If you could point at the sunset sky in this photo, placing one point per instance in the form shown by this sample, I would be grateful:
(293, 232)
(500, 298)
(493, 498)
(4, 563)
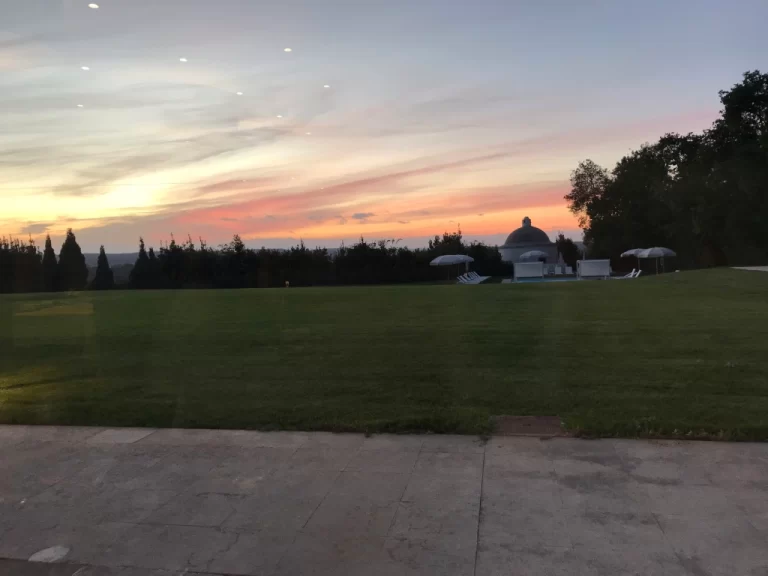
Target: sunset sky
(387, 119)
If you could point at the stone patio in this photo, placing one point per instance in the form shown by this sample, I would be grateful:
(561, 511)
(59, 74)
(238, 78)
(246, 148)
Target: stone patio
(133, 502)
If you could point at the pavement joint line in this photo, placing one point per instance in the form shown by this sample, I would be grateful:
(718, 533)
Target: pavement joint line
(405, 489)
(479, 511)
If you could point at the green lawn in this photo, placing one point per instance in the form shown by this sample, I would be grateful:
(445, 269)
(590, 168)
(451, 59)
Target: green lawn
(675, 354)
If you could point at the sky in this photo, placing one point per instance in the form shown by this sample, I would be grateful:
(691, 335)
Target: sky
(325, 121)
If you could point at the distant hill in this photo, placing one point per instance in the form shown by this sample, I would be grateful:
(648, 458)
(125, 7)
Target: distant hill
(114, 259)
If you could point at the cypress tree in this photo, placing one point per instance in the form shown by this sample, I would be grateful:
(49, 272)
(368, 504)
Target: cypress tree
(49, 266)
(104, 279)
(72, 270)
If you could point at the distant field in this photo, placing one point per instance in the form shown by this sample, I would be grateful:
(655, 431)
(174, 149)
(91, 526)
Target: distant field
(675, 354)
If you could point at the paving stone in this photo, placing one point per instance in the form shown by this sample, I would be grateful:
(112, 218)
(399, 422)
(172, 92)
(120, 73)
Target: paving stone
(384, 460)
(120, 435)
(252, 554)
(430, 556)
(16, 433)
(163, 547)
(87, 504)
(283, 502)
(334, 554)
(360, 503)
(241, 438)
(393, 442)
(495, 559)
(245, 503)
(722, 547)
(453, 443)
(206, 509)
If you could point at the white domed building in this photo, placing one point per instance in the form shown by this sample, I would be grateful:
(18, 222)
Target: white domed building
(525, 239)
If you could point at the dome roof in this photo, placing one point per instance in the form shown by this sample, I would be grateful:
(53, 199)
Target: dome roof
(527, 234)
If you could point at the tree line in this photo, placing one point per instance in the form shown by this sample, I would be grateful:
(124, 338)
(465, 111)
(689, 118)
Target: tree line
(24, 268)
(703, 195)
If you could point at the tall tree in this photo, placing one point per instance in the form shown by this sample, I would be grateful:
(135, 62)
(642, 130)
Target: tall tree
(568, 250)
(141, 275)
(72, 270)
(703, 195)
(49, 266)
(104, 279)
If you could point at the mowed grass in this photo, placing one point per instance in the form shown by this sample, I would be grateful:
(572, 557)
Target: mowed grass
(683, 353)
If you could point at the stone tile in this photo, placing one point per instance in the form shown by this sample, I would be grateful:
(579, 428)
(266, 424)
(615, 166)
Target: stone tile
(501, 559)
(453, 443)
(351, 442)
(282, 502)
(384, 460)
(206, 509)
(120, 435)
(430, 556)
(24, 568)
(86, 504)
(31, 534)
(241, 438)
(393, 442)
(361, 503)
(703, 502)
(325, 453)
(719, 547)
(524, 527)
(242, 471)
(467, 465)
(442, 519)
(12, 434)
(164, 547)
(597, 529)
(252, 554)
(663, 462)
(118, 571)
(504, 560)
(34, 467)
(518, 445)
(603, 490)
(344, 554)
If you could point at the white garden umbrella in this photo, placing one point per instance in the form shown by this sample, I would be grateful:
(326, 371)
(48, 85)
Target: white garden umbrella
(532, 255)
(656, 253)
(634, 252)
(450, 259)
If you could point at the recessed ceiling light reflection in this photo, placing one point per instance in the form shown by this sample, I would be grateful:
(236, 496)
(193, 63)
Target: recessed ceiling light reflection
(79, 105)
(239, 93)
(86, 68)
(279, 115)
(309, 133)
(93, 6)
(287, 49)
(326, 86)
(182, 59)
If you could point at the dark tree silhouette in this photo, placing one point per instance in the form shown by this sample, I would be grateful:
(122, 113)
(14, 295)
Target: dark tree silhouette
(104, 279)
(49, 266)
(568, 250)
(72, 270)
(703, 195)
(141, 275)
